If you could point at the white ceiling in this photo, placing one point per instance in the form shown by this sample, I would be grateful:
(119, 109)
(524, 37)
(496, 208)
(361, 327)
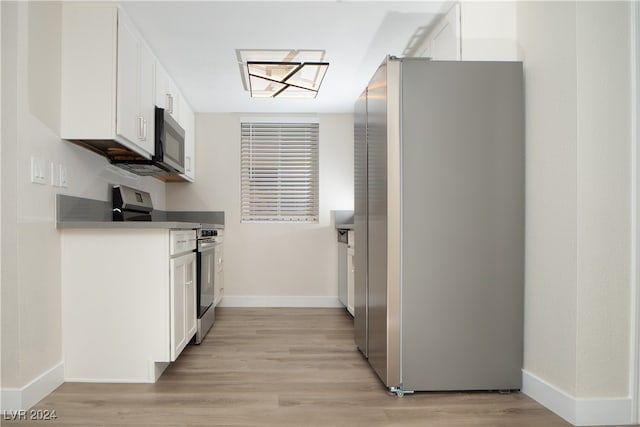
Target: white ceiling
(197, 43)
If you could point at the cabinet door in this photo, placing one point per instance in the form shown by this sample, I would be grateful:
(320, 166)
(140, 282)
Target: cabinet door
(180, 269)
(146, 106)
(190, 298)
(128, 119)
(187, 121)
(88, 91)
(166, 93)
(135, 90)
(342, 273)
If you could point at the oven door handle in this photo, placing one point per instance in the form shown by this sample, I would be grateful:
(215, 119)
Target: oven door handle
(206, 245)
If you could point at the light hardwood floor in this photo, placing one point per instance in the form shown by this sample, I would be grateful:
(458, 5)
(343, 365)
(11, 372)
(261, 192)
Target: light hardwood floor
(284, 367)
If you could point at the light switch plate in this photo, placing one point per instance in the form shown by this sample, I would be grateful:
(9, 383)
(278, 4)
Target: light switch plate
(38, 171)
(55, 175)
(63, 177)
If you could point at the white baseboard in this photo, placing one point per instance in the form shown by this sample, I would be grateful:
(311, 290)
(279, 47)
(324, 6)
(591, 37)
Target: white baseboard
(16, 399)
(280, 301)
(579, 412)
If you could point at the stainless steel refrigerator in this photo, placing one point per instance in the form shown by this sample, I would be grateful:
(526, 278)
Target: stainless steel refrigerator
(439, 221)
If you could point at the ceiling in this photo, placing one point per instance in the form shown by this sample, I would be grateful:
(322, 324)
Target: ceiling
(198, 43)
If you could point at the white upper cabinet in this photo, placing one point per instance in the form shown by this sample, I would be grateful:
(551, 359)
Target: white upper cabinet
(135, 89)
(107, 78)
(111, 83)
(443, 42)
(167, 95)
(187, 121)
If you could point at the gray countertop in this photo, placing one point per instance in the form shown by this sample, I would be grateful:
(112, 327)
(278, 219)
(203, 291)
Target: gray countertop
(136, 224)
(344, 226)
(77, 212)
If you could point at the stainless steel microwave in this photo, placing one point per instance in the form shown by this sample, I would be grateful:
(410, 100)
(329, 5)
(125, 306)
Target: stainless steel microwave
(169, 142)
(168, 157)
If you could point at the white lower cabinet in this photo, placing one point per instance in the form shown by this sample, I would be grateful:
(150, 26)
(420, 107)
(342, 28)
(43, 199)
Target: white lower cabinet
(128, 302)
(183, 302)
(346, 269)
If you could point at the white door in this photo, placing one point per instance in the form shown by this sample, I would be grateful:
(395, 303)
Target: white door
(146, 106)
(181, 271)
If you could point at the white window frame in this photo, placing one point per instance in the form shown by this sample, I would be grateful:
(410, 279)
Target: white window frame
(294, 171)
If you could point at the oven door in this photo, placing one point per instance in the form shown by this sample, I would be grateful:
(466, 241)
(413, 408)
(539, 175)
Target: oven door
(206, 275)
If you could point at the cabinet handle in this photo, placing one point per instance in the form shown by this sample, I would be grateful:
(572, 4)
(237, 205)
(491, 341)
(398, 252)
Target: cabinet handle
(140, 127)
(170, 103)
(144, 128)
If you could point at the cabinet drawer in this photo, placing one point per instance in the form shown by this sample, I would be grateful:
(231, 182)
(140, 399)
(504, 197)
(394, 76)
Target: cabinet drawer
(182, 241)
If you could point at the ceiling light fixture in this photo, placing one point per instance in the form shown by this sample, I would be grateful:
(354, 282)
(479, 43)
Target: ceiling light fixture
(281, 79)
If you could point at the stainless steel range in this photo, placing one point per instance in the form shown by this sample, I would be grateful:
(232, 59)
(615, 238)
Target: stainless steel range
(130, 204)
(210, 281)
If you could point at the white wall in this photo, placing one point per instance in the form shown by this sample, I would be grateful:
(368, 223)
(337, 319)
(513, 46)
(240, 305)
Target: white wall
(271, 264)
(488, 30)
(604, 197)
(31, 312)
(551, 190)
(578, 197)
(579, 149)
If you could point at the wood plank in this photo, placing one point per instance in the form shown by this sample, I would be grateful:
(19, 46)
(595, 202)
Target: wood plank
(284, 367)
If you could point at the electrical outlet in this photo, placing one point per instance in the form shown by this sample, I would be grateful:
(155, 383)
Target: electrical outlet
(38, 171)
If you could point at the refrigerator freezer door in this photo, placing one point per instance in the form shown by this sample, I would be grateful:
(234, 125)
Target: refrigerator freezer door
(383, 142)
(377, 221)
(360, 223)
(463, 225)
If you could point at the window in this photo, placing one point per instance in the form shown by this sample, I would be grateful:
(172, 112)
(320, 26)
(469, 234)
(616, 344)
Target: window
(279, 171)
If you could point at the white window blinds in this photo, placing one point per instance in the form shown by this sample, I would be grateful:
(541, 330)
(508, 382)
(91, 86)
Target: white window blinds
(279, 172)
